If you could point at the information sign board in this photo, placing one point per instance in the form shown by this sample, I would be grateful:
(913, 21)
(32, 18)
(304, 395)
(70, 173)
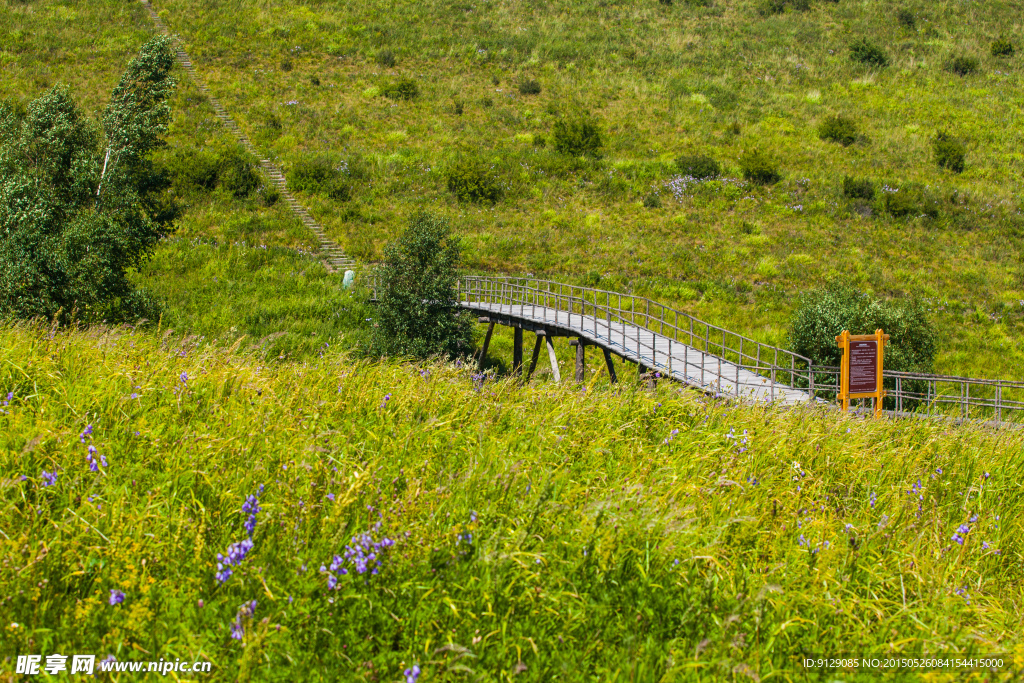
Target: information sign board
(863, 367)
(861, 372)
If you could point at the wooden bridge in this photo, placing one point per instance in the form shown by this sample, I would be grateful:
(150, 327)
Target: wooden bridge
(660, 341)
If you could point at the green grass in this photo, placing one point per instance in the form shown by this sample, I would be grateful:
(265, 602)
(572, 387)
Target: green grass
(615, 534)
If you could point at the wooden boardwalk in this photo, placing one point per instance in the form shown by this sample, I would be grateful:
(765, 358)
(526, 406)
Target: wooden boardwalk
(649, 350)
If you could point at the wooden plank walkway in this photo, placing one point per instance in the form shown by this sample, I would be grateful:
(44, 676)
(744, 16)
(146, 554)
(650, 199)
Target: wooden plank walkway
(331, 253)
(653, 351)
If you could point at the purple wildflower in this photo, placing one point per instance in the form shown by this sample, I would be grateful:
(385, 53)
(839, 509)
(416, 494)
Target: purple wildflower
(85, 433)
(235, 554)
(412, 673)
(330, 497)
(183, 377)
(245, 614)
(252, 508)
(116, 596)
(49, 478)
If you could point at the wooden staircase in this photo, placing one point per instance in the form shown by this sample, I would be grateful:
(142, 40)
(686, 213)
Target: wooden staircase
(332, 254)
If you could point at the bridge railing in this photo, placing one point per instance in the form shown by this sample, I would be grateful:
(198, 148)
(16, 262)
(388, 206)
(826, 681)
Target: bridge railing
(605, 315)
(947, 396)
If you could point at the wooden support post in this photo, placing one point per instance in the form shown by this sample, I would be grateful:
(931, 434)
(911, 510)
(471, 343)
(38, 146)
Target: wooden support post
(580, 358)
(536, 353)
(553, 358)
(517, 351)
(483, 349)
(611, 366)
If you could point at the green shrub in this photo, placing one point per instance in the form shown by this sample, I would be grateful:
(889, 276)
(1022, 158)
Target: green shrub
(318, 176)
(858, 189)
(402, 89)
(759, 168)
(906, 18)
(908, 201)
(1002, 47)
(238, 174)
(314, 80)
(486, 102)
(194, 170)
(865, 52)
(539, 140)
(652, 201)
(577, 135)
(839, 129)
(766, 8)
(733, 128)
(472, 181)
(949, 152)
(824, 313)
(962, 65)
(270, 195)
(416, 294)
(699, 166)
(386, 58)
(286, 65)
(459, 107)
(529, 87)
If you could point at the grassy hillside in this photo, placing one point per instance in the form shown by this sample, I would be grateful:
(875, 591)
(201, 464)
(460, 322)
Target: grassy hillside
(539, 533)
(662, 80)
(717, 78)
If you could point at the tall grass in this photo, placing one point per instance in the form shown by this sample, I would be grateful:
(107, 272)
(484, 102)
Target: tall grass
(540, 532)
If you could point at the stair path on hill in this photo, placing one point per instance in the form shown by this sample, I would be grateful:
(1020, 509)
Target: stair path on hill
(333, 255)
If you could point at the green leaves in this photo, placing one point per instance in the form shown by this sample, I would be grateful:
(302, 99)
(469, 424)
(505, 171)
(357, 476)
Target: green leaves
(68, 231)
(416, 286)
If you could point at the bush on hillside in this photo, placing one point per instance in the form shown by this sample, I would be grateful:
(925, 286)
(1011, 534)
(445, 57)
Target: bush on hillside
(194, 170)
(766, 8)
(759, 168)
(1002, 47)
(839, 129)
(824, 313)
(962, 65)
(402, 89)
(652, 201)
(949, 152)
(865, 52)
(318, 176)
(858, 189)
(699, 166)
(238, 174)
(386, 58)
(472, 181)
(908, 201)
(906, 18)
(416, 294)
(529, 87)
(576, 135)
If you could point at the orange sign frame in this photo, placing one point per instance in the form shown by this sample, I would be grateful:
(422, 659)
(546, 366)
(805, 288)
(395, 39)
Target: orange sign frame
(843, 340)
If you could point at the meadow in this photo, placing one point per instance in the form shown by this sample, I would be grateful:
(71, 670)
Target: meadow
(536, 532)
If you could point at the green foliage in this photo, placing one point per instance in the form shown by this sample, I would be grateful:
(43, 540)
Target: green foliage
(319, 176)
(473, 181)
(824, 313)
(652, 201)
(863, 51)
(194, 170)
(906, 18)
(907, 201)
(699, 166)
(767, 8)
(577, 134)
(838, 128)
(858, 189)
(286, 65)
(386, 58)
(529, 87)
(70, 232)
(949, 152)
(962, 65)
(1002, 47)
(759, 168)
(238, 172)
(402, 89)
(416, 294)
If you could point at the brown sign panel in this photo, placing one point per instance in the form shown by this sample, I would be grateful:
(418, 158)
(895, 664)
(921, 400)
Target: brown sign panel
(863, 367)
